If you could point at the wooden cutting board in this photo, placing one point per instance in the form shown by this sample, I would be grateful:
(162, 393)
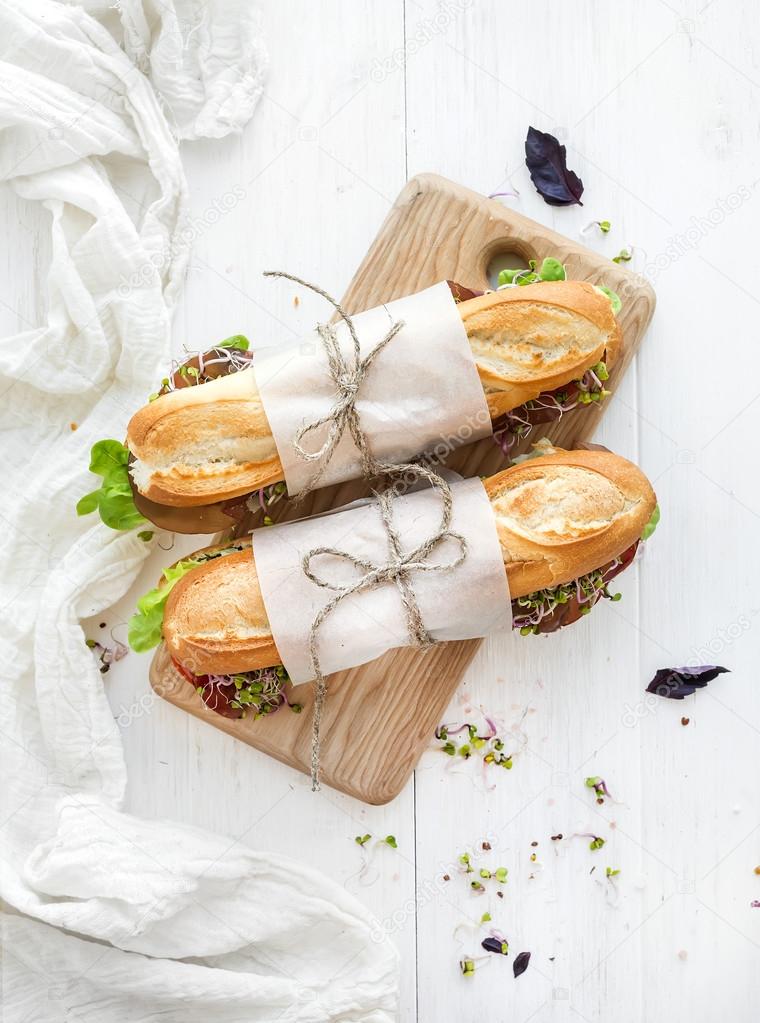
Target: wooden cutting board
(379, 718)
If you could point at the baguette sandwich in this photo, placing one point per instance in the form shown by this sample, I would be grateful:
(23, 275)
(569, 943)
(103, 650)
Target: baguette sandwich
(547, 346)
(568, 522)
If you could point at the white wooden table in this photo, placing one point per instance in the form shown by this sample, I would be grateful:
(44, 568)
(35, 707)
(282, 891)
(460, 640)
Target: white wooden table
(658, 103)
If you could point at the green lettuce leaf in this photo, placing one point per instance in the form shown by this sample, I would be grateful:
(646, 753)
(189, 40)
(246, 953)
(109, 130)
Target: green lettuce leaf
(650, 527)
(144, 630)
(145, 627)
(113, 499)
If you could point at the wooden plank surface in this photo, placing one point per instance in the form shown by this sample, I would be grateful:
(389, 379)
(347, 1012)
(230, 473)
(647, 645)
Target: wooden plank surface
(656, 103)
(379, 717)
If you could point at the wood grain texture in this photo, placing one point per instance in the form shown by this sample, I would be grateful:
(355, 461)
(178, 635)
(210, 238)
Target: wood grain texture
(379, 717)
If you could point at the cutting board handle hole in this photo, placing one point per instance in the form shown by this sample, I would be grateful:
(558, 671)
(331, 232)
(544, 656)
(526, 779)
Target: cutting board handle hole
(502, 254)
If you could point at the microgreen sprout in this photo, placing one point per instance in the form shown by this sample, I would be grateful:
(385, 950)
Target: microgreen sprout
(624, 256)
(486, 918)
(550, 270)
(260, 500)
(610, 872)
(107, 655)
(228, 356)
(477, 887)
(259, 692)
(513, 194)
(499, 874)
(467, 966)
(595, 843)
(391, 841)
(549, 609)
(362, 839)
(603, 225)
(599, 785)
(487, 745)
(550, 406)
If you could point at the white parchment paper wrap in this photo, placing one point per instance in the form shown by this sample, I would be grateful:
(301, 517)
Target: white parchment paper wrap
(422, 390)
(466, 602)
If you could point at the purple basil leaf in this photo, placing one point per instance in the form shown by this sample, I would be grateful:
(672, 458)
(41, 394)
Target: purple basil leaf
(520, 965)
(495, 945)
(546, 160)
(676, 683)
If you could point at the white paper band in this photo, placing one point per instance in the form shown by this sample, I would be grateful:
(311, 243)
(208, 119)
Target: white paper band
(467, 602)
(422, 390)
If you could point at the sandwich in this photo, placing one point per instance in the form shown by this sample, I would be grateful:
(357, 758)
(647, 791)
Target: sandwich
(201, 450)
(568, 523)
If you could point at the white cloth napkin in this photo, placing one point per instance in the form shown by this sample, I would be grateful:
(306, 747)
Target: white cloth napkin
(85, 133)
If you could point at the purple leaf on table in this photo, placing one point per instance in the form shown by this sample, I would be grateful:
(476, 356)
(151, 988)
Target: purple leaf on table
(520, 965)
(676, 683)
(546, 160)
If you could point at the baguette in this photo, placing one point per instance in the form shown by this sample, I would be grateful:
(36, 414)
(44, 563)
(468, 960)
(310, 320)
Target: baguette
(198, 445)
(558, 517)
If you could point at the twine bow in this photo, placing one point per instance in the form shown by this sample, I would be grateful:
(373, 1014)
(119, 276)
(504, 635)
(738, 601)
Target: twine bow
(397, 570)
(347, 379)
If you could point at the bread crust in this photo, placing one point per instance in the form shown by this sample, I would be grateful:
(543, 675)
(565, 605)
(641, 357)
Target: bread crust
(168, 431)
(565, 514)
(525, 340)
(215, 621)
(557, 517)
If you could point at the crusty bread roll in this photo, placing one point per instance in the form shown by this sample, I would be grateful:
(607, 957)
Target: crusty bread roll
(526, 340)
(557, 518)
(197, 445)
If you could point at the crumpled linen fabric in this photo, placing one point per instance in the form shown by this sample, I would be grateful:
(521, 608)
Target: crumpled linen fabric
(110, 917)
(205, 58)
